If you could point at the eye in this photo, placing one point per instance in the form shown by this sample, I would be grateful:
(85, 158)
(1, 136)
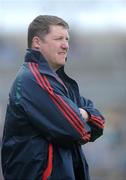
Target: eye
(67, 39)
(61, 38)
(58, 38)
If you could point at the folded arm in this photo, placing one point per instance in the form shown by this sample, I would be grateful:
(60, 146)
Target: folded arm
(94, 118)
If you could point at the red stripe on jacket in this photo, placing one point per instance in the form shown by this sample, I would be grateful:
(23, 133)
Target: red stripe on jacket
(66, 110)
(62, 105)
(48, 170)
(97, 120)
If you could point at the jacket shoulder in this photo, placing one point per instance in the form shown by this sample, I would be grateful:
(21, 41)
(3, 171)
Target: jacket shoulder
(20, 82)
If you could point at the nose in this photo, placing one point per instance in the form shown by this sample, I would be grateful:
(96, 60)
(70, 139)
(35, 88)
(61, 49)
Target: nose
(65, 45)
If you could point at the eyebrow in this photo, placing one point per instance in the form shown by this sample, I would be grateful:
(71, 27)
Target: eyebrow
(56, 36)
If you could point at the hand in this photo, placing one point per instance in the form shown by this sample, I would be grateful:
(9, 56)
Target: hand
(84, 113)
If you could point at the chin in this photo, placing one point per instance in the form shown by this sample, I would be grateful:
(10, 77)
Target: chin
(60, 65)
(61, 62)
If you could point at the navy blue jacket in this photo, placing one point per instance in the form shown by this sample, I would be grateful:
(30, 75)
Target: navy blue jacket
(44, 129)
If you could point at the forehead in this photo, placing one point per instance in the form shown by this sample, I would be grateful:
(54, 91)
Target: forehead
(58, 30)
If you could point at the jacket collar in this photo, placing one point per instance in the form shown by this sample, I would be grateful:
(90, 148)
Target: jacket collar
(37, 57)
(44, 68)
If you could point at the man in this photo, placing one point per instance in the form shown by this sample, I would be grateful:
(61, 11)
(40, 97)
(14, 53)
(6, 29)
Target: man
(47, 120)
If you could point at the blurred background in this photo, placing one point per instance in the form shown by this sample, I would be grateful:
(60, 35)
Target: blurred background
(97, 60)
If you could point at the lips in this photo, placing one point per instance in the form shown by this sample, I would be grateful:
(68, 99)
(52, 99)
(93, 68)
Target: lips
(62, 53)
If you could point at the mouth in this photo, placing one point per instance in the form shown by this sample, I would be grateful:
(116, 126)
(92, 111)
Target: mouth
(62, 53)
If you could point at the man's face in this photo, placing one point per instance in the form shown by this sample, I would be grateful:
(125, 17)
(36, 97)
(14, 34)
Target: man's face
(54, 46)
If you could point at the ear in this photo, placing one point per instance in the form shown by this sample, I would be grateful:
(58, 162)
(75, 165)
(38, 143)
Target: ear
(36, 42)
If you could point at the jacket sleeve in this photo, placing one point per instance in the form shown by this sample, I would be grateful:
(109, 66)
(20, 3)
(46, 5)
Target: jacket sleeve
(56, 117)
(96, 121)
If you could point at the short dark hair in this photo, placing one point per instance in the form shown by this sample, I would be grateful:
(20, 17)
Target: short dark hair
(40, 26)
